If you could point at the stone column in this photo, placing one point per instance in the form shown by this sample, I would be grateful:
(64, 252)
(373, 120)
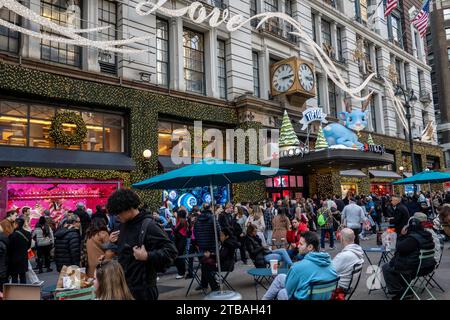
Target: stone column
(176, 54)
(212, 88)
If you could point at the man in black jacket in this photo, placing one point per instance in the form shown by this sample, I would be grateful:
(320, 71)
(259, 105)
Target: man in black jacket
(412, 239)
(143, 247)
(19, 243)
(206, 241)
(401, 215)
(68, 243)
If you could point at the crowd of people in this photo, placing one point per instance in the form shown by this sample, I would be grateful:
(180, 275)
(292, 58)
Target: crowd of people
(124, 245)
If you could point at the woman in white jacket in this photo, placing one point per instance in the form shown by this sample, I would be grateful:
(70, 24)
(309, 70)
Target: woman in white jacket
(256, 219)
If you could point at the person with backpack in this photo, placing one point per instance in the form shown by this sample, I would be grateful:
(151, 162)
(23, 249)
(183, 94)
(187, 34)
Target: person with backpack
(325, 224)
(142, 245)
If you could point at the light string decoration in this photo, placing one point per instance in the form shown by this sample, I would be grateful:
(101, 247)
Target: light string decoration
(71, 34)
(197, 14)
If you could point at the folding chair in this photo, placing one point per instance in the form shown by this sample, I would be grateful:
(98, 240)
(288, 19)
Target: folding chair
(356, 272)
(320, 287)
(430, 277)
(424, 254)
(224, 279)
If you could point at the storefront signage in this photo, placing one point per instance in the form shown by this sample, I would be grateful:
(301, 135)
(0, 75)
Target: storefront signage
(375, 148)
(311, 115)
(294, 152)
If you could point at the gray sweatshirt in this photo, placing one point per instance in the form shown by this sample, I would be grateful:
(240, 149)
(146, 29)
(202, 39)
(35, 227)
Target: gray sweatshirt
(353, 215)
(345, 260)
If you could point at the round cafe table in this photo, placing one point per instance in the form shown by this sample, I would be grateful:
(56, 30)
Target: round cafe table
(263, 277)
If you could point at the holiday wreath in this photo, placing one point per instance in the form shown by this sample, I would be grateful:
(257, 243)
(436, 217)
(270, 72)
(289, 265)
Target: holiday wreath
(59, 136)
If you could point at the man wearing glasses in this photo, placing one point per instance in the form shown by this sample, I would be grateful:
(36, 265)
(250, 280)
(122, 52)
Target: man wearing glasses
(142, 245)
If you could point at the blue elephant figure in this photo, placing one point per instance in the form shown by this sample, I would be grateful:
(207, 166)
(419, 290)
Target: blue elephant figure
(336, 133)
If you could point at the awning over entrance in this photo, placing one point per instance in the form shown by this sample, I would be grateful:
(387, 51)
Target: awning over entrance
(353, 173)
(407, 174)
(167, 164)
(384, 174)
(335, 159)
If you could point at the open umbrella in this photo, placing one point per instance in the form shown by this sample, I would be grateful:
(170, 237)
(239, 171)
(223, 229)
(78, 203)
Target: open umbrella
(424, 177)
(210, 172)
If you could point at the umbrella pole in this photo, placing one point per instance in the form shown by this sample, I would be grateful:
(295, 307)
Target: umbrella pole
(215, 237)
(431, 200)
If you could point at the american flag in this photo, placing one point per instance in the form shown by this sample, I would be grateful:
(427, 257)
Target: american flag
(390, 6)
(421, 20)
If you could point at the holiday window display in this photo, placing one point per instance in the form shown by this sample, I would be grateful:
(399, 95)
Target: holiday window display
(57, 196)
(191, 197)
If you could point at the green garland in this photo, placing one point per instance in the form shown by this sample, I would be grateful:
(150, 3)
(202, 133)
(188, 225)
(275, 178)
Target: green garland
(59, 136)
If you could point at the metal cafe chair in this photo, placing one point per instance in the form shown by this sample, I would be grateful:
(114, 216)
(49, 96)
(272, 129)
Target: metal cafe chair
(424, 254)
(320, 287)
(356, 273)
(429, 278)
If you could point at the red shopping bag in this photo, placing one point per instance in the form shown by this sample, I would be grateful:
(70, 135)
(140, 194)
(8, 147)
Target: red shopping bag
(30, 254)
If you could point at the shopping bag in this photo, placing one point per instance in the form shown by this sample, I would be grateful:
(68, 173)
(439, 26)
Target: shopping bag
(30, 254)
(31, 275)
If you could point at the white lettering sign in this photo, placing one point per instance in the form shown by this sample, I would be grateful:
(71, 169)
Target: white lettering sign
(311, 115)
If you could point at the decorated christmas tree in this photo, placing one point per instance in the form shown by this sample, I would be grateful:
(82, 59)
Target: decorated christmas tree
(321, 142)
(288, 137)
(369, 139)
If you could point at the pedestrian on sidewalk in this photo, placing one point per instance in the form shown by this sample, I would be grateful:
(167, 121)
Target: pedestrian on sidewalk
(68, 243)
(43, 237)
(97, 237)
(352, 217)
(19, 243)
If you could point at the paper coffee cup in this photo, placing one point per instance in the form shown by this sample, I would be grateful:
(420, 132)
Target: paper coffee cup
(274, 266)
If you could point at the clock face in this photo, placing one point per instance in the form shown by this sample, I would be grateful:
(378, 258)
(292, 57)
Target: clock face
(283, 78)
(306, 77)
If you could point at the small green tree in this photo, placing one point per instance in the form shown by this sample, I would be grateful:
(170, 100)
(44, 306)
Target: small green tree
(321, 142)
(370, 139)
(287, 134)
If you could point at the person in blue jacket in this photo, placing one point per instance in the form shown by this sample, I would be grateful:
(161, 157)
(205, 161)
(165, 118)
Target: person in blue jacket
(315, 266)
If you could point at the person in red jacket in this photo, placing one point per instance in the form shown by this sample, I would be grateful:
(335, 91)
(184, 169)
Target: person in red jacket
(293, 236)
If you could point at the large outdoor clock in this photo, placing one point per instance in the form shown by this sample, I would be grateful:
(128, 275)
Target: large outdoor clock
(293, 78)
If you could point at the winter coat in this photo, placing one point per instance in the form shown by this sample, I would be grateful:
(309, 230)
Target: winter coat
(204, 232)
(95, 250)
(256, 251)
(4, 242)
(85, 220)
(41, 241)
(340, 204)
(401, 217)
(67, 247)
(281, 225)
(315, 266)
(227, 254)
(407, 251)
(19, 243)
(141, 275)
(344, 261)
(225, 220)
(180, 233)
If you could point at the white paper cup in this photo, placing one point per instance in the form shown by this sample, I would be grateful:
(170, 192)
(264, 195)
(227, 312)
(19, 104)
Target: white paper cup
(274, 266)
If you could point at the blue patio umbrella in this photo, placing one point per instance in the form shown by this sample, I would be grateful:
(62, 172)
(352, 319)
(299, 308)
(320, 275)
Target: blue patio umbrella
(424, 177)
(209, 171)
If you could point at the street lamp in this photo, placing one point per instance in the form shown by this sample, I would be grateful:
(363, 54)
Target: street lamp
(410, 101)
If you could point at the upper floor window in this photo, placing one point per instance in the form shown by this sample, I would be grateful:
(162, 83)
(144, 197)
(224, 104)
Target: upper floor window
(447, 33)
(332, 98)
(107, 16)
(420, 79)
(222, 69)
(373, 116)
(313, 26)
(256, 90)
(9, 39)
(361, 10)
(65, 13)
(339, 52)
(194, 61)
(378, 54)
(253, 11)
(395, 31)
(446, 13)
(319, 90)
(273, 23)
(326, 32)
(28, 125)
(162, 52)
